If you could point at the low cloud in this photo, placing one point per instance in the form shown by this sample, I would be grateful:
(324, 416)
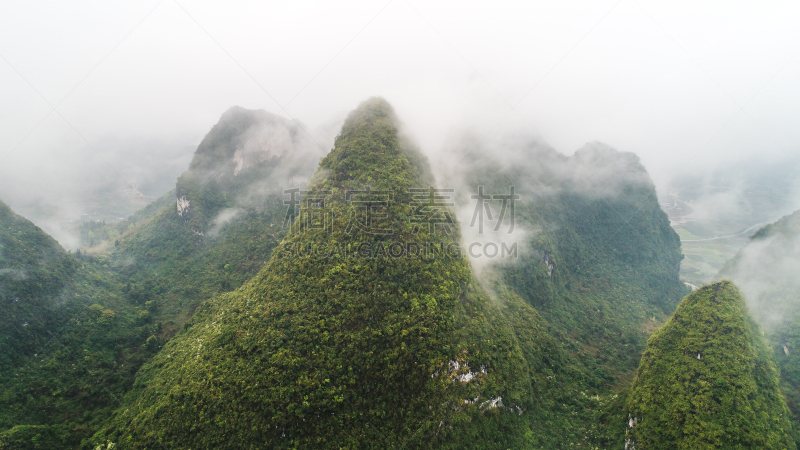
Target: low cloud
(225, 217)
(14, 274)
(766, 272)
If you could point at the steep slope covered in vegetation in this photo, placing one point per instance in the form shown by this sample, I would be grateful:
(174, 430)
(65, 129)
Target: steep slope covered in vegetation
(338, 343)
(225, 217)
(33, 271)
(70, 345)
(708, 381)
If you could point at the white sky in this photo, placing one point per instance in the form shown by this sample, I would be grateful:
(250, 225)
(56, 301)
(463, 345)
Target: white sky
(684, 84)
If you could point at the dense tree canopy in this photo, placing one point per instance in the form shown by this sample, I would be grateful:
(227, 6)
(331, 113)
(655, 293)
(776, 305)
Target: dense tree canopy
(707, 381)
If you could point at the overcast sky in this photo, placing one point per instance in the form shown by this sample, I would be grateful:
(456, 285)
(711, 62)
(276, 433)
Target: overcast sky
(684, 84)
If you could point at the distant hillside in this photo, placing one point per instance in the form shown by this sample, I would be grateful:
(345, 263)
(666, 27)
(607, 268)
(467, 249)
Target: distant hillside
(707, 380)
(598, 260)
(716, 210)
(767, 270)
(33, 271)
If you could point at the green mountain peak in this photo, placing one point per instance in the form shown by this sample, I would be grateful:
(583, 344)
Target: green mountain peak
(707, 381)
(341, 348)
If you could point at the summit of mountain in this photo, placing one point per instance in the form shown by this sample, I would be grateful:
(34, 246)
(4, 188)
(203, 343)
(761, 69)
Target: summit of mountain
(363, 330)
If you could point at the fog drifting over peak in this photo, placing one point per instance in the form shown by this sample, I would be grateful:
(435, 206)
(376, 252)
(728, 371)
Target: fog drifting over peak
(688, 88)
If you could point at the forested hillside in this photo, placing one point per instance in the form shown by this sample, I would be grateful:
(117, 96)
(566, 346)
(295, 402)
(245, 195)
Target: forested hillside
(70, 344)
(324, 336)
(80, 326)
(598, 261)
(225, 216)
(33, 270)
